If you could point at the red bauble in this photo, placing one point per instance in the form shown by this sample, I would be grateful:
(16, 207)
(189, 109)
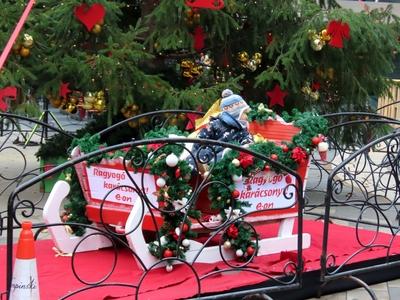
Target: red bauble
(288, 179)
(285, 148)
(168, 253)
(250, 250)
(177, 173)
(316, 140)
(274, 156)
(235, 194)
(267, 168)
(185, 227)
(232, 231)
(161, 204)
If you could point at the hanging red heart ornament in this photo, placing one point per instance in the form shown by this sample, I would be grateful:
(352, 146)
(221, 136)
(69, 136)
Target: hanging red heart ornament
(90, 15)
(210, 4)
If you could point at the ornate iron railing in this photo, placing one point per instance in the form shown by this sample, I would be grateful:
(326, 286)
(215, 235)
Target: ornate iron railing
(290, 275)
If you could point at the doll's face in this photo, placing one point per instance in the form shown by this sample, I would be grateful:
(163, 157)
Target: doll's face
(243, 116)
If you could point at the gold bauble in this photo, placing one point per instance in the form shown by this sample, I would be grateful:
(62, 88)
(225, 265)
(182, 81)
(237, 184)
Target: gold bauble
(317, 44)
(144, 120)
(134, 107)
(96, 29)
(187, 74)
(55, 102)
(195, 71)
(257, 56)
(27, 41)
(196, 18)
(173, 121)
(16, 48)
(71, 108)
(87, 106)
(325, 35)
(330, 73)
(182, 117)
(133, 124)
(314, 95)
(306, 90)
(186, 63)
(243, 56)
(24, 52)
(252, 65)
(89, 98)
(73, 99)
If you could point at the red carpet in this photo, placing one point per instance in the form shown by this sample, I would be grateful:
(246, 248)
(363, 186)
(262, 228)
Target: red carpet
(56, 276)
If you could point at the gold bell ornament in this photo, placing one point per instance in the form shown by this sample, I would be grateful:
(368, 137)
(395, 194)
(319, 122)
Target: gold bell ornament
(27, 41)
(88, 101)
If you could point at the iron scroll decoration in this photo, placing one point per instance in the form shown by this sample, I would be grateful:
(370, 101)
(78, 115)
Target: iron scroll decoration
(291, 271)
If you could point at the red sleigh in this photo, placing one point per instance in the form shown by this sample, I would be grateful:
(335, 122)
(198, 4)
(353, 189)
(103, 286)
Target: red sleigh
(120, 209)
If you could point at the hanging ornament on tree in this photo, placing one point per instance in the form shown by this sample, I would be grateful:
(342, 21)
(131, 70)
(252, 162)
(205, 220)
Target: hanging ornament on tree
(190, 69)
(269, 38)
(90, 16)
(192, 17)
(338, 31)
(249, 63)
(210, 4)
(27, 41)
(277, 96)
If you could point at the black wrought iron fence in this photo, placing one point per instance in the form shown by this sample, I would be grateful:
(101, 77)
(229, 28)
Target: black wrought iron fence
(230, 233)
(364, 190)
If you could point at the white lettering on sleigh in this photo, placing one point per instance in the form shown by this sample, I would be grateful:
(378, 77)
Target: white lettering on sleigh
(266, 190)
(102, 180)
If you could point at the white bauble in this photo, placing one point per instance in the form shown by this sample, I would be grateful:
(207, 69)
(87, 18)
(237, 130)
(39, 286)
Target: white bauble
(205, 174)
(163, 240)
(172, 160)
(239, 253)
(236, 162)
(323, 147)
(186, 243)
(227, 245)
(237, 178)
(161, 182)
(169, 268)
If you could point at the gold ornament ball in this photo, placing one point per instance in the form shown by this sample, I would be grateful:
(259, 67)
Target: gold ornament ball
(144, 120)
(196, 18)
(134, 107)
(325, 35)
(16, 48)
(257, 56)
(317, 44)
(89, 98)
(96, 29)
(243, 56)
(133, 124)
(27, 41)
(24, 52)
(330, 73)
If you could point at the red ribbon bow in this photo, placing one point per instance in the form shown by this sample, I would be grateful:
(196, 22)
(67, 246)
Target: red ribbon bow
(245, 160)
(338, 30)
(299, 154)
(10, 92)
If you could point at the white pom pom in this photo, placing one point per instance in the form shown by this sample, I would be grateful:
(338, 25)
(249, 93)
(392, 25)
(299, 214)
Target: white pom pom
(169, 268)
(239, 253)
(226, 93)
(172, 160)
(237, 178)
(186, 243)
(323, 147)
(236, 162)
(160, 182)
(163, 240)
(227, 245)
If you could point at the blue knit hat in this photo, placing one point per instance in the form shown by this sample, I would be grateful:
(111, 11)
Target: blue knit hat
(233, 104)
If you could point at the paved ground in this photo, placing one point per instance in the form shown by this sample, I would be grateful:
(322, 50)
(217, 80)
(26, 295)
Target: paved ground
(12, 163)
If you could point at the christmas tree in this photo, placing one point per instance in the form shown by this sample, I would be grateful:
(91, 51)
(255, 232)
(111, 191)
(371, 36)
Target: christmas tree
(139, 56)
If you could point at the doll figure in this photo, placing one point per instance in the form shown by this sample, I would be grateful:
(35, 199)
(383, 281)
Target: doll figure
(229, 126)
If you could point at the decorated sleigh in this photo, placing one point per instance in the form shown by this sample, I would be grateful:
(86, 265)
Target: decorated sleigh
(127, 197)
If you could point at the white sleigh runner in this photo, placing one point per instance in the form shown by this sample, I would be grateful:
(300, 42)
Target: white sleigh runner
(124, 210)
